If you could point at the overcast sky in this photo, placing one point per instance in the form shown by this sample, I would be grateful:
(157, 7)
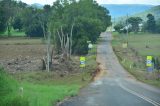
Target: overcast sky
(152, 2)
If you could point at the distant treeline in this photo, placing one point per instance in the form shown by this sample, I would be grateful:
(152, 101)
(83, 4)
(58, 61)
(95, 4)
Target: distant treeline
(137, 24)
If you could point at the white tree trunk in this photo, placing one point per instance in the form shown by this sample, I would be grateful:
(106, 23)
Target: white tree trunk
(66, 42)
(71, 34)
(48, 51)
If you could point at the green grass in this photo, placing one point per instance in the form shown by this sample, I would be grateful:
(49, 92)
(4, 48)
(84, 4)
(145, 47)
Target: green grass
(51, 78)
(13, 33)
(9, 95)
(139, 43)
(46, 88)
(134, 57)
(47, 95)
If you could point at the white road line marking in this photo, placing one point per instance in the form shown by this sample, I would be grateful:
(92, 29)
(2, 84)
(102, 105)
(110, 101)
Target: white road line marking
(140, 96)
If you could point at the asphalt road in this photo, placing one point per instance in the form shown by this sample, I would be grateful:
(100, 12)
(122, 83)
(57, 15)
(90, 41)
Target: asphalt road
(117, 87)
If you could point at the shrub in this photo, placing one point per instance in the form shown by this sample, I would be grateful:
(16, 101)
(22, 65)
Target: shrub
(81, 47)
(34, 30)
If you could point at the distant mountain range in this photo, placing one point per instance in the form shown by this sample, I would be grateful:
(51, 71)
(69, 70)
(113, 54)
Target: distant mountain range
(119, 10)
(154, 11)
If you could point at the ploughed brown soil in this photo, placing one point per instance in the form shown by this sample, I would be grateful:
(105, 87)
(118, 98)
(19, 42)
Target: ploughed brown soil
(29, 58)
(22, 57)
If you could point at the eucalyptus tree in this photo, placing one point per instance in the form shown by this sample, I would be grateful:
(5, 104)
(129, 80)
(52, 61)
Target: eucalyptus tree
(80, 20)
(151, 23)
(135, 21)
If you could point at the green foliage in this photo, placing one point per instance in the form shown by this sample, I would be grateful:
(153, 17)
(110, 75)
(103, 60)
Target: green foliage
(88, 21)
(17, 23)
(34, 30)
(31, 22)
(158, 26)
(81, 46)
(118, 27)
(9, 91)
(3, 20)
(135, 21)
(151, 23)
(8, 10)
(157, 63)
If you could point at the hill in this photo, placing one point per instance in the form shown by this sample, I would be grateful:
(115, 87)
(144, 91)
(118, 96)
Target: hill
(119, 10)
(154, 10)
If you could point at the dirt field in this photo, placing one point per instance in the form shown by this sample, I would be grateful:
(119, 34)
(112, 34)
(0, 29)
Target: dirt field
(17, 56)
(21, 54)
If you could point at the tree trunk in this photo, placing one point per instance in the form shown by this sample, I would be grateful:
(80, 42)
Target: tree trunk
(43, 28)
(48, 52)
(66, 43)
(71, 34)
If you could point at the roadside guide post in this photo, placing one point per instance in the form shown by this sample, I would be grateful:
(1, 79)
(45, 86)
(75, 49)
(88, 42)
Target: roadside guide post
(82, 65)
(90, 46)
(149, 64)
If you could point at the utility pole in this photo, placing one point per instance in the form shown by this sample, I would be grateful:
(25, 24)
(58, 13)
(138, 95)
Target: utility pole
(127, 28)
(127, 24)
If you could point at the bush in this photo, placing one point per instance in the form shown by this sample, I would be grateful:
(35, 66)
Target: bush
(17, 23)
(81, 47)
(34, 30)
(157, 63)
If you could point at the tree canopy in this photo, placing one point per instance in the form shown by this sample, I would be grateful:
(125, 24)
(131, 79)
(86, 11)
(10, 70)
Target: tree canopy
(135, 21)
(151, 23)
(86, 19)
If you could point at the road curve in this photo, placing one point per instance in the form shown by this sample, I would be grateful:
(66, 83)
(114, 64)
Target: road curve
(117, 87)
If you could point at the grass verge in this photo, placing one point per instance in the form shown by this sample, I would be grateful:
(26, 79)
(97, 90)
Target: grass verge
(47, 95)
(133, 58)
(9, 93)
